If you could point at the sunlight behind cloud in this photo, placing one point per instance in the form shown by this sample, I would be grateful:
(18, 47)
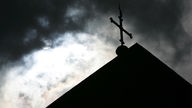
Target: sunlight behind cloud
(48, 73)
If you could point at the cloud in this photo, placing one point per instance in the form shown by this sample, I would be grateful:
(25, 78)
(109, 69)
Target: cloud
(26, 23)
(154, 20)
(20, 19)
(74, 35)
(46, 74)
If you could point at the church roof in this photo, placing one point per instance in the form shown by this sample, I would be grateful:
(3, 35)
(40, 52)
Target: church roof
(134, 79)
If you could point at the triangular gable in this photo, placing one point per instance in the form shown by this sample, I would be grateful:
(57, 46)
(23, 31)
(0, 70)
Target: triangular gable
(135, 79)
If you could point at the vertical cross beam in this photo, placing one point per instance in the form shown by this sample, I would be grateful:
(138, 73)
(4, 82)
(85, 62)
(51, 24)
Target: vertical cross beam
(120, 25)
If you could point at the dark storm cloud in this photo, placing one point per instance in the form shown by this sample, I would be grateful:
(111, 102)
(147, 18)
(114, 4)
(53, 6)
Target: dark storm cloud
(154, 20)
(149, 16)
(25, 23)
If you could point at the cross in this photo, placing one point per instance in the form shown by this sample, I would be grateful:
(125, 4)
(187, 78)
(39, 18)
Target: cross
(120, 25)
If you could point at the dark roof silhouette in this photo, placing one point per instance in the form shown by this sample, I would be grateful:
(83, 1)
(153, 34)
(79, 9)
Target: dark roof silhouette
(134, 79)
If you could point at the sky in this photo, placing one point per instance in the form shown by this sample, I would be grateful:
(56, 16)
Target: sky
(49, 46)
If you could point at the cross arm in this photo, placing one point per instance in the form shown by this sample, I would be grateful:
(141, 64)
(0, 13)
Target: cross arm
(129, 34)
(112, 21)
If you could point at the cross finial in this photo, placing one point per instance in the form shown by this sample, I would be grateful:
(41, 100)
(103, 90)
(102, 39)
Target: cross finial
(120, 25)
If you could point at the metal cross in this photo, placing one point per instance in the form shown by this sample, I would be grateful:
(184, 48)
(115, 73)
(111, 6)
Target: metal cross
(120, 25)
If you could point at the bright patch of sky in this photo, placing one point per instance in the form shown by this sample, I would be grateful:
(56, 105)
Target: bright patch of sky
(48, 73)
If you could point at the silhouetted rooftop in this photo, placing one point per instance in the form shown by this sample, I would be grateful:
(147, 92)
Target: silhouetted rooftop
(134, 79)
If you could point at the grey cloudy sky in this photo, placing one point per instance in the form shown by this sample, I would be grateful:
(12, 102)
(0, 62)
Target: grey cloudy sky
(47, 46)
